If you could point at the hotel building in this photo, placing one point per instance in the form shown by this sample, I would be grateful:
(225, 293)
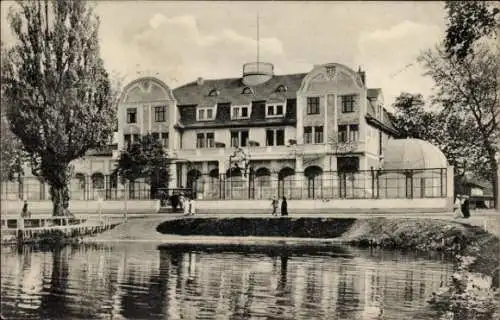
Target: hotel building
(322, 134)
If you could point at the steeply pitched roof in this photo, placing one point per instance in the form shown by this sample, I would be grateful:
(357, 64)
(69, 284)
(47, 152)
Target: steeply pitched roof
(230, 90)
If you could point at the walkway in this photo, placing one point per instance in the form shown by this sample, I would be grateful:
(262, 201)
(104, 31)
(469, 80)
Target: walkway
(143, 228)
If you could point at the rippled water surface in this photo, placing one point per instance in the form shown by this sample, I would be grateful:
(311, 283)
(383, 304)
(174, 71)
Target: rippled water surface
(140, 281)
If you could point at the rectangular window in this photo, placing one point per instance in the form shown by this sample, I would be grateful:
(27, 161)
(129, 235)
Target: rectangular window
(342, 133)
(239, 112)
(164, 139)
(313, 105)
(128, 140)
(239, 138)
(205, 114)
(131, 115)
(279, 110)
(348, 103)
(307, 135)
(160, 114)
(200, 140)
(270, 110)
(353, 132)
(280, 137)
(275, 110)
(205, 140)
(210, 140)
(275, 137)
(318, 134)
(269, 137)
(244, 138)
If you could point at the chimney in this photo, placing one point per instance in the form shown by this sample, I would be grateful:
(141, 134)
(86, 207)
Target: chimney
(199, 81)
(362, 74)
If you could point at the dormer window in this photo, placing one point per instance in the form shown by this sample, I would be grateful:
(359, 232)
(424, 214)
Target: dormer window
(275, 110)
(213, 93)
(240, 112)
(205, 113)
(247, 90)
(281, 88)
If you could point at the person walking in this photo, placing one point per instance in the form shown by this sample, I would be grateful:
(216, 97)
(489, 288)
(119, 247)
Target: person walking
(465, 207)
(457, 207)
(284, 207)
(274, 204)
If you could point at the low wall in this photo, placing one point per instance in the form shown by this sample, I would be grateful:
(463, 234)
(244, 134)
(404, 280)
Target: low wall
(84, 207)
(337, 205)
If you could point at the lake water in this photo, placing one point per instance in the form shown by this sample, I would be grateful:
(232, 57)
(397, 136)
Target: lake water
(141, 281)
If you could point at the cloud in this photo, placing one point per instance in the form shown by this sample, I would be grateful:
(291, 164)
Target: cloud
(175, 48)
(389, 57)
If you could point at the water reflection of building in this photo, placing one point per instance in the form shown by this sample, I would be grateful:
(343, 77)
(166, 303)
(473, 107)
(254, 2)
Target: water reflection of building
(135, 282)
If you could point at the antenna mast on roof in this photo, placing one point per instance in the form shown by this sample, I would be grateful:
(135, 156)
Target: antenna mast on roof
(258, 39)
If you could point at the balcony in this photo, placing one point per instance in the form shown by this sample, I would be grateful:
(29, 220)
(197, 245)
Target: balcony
(264, 152)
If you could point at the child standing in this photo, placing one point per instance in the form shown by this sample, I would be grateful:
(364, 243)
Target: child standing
(185, 205)
(274, 204)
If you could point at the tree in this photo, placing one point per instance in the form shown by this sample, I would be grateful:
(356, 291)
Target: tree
(469, 21)
(58, 94)
(448, 131)
(467, 89)
(144, 159)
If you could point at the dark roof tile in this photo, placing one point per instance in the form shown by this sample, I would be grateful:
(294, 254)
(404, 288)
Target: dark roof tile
(230, 90)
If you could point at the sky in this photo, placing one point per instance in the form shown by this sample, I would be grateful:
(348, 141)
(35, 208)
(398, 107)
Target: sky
(181, 41)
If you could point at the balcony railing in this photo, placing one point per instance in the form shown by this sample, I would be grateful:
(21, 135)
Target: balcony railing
(264, 152)
(253, 68)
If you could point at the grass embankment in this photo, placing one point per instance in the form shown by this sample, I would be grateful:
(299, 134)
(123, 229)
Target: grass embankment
(470, 293)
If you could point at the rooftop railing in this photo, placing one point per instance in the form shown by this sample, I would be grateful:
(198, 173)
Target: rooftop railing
(253, 68)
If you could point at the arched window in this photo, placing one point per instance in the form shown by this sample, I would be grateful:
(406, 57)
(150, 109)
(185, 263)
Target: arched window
(247, 90)
(281, 88)
(263, 177)
(98, 181)
(192, 179)
(213, 93)
(81, 180)
(285, 182)
(314, 181)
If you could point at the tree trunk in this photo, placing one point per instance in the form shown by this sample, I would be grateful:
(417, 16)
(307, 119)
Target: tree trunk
(60, 200)
(494, 182)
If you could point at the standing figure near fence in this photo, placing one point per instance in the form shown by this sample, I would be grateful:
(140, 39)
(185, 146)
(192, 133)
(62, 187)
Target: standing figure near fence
(25, 213)
(284, 207)
(457, 207)
(465, 207)
(274, 205)
(185, 205)
(192, 206)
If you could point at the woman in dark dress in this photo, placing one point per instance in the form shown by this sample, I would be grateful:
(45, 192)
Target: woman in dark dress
(465, 208)
(284, 207)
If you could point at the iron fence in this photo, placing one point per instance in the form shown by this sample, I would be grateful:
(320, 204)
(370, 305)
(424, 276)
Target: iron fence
(368, 184)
